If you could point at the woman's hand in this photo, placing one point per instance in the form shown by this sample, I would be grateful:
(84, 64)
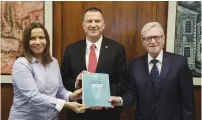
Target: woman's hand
(76, 95)
(76, 107)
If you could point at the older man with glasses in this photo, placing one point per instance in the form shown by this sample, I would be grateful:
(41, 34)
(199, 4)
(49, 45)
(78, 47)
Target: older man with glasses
(162, 85)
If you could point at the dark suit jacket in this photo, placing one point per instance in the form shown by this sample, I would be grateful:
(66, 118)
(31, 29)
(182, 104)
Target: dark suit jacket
(175, 99)
(112, 60)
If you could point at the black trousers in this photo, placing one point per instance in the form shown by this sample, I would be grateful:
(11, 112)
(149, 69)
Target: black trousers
(109, 114)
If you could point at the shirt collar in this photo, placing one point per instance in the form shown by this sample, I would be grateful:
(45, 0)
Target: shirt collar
(159, 57)
(34, 60)
(97, 44)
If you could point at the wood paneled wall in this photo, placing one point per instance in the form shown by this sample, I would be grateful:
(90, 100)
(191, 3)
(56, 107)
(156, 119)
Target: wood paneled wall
(6, 100)
(123, 20)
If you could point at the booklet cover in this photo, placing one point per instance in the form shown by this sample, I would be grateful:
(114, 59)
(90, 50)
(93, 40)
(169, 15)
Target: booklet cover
(96, 90)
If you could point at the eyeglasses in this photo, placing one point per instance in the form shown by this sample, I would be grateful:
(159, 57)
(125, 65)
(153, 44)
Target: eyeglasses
(156, 38)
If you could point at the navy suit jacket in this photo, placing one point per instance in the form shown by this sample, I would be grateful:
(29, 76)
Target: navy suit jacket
(175, 99)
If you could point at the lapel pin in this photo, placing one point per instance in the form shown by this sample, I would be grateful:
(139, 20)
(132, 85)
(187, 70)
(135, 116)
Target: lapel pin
(106, 46)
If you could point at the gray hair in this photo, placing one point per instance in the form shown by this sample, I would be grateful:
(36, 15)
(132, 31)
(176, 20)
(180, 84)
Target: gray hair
(150, 25)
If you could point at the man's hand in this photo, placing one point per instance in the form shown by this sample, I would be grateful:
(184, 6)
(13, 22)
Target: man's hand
(115, 100)
(76, 95)
(78, 83)
(76, 107)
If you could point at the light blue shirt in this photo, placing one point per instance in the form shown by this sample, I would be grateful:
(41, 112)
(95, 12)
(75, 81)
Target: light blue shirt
(39, 93)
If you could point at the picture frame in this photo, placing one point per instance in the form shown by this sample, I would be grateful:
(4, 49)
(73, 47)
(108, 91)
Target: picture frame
(48, 25)
(184, 34)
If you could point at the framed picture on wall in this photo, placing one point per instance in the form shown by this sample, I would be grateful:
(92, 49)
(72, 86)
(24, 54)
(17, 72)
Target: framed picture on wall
(184, 34)
(15, 15)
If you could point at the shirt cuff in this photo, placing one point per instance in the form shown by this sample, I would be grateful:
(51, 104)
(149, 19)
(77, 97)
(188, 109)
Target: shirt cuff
(121, 101)
(66, 97)
(60, 104)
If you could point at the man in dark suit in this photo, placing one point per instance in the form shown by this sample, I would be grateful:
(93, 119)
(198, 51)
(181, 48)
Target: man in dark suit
(95, 53)
(162, 85)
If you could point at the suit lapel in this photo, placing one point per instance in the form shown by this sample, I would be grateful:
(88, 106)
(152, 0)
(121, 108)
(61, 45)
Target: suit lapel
(82, 55)
(103, 54)
(164, 70)
(145, 74)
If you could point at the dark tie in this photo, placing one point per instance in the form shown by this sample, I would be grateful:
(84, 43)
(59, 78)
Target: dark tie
(155, 74)
(92, 63)
(155, 80)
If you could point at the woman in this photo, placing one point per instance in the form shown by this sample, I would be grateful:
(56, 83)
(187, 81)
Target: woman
(38, 90)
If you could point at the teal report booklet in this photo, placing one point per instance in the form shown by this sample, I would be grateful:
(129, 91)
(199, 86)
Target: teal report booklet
(96, 90)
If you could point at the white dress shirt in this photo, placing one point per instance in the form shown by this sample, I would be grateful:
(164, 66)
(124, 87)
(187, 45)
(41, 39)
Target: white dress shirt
(97, 49)
(158, 64)
(97, 52)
